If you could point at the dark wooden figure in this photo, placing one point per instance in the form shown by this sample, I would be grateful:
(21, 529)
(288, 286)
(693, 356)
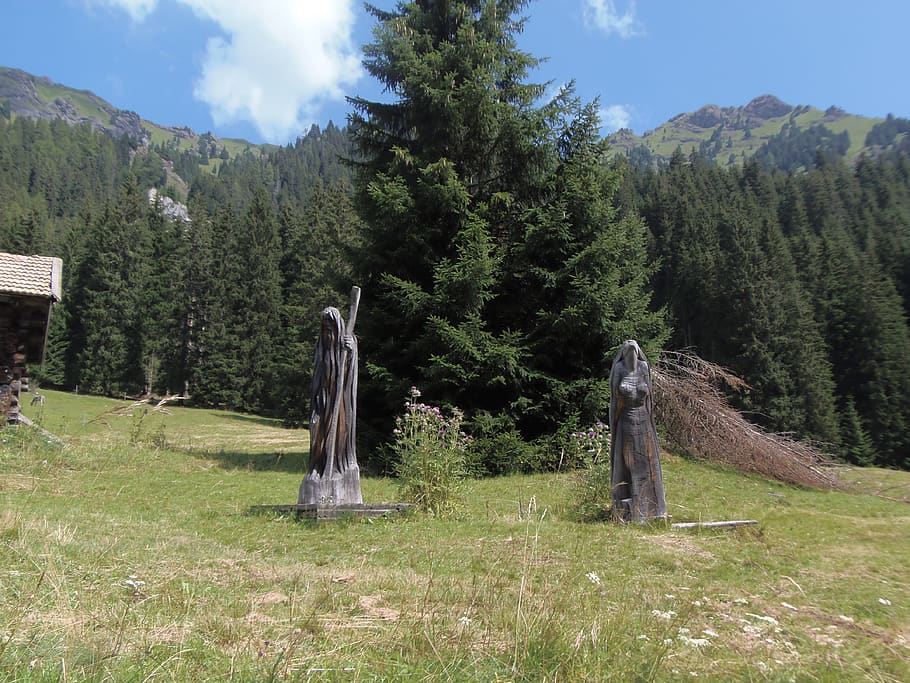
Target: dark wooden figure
(637, 484)
(333, 476)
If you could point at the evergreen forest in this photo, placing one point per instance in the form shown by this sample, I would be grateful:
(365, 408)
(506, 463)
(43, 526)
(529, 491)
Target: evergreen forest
(504, 256)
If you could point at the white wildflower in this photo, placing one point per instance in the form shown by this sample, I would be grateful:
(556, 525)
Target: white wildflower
(135, 583)
(710, 633)
(593, 578)
(669, 614)
(694, 642)
(761, 617)
(464, 620)
(885, 602)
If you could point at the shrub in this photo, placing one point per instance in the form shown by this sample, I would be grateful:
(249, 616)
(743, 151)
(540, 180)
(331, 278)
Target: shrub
(592, 447)
(498, 447)
(432, 461)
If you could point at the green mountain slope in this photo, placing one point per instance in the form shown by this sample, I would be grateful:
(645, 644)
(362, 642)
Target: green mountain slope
(22, 94)
(766, 127)
(780, 134)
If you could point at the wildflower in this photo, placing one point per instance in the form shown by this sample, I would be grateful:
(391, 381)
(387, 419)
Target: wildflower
(711, 633)
(770, 620)
(464, 620)
(669, 614)
(694, 642)
(593, 578)
(134, 582)
(885, 602)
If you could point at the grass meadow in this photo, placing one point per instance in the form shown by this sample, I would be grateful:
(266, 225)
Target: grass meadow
(128, 554)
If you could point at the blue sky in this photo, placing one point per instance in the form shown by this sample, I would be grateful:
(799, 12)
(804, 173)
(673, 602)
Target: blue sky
(267, 70)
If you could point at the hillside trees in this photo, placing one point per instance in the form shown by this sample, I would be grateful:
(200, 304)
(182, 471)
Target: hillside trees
(792, 281)
(317, 242)
(105, 349)
(502, 258)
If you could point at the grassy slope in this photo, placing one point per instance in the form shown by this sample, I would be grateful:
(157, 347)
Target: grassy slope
(86, 104)
(664, 140)
(504, 593)
(89, 105)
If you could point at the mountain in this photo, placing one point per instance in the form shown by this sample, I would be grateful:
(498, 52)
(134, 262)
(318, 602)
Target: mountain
(779, 134)
(22, 94)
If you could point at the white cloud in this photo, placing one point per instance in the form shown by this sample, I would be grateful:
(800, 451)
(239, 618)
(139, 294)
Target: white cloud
(603, 15)
(614, 117)
(137, 9)
(277, 62)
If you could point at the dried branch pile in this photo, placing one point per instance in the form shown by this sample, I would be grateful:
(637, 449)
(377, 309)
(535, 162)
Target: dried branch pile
(696, 417)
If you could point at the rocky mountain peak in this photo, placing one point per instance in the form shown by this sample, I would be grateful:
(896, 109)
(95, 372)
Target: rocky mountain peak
(767, 107)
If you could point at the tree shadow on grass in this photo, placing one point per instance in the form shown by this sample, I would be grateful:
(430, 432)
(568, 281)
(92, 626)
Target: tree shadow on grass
(276, 461)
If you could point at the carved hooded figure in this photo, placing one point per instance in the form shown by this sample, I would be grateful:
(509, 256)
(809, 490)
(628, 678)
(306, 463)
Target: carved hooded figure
(637, 489)
(333, 476)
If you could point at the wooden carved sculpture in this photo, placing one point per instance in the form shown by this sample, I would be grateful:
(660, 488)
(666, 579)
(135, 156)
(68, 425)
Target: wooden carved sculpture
(333, 477)
(637, 489)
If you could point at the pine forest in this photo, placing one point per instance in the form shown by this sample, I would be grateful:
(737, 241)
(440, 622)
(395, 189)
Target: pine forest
(504, 254)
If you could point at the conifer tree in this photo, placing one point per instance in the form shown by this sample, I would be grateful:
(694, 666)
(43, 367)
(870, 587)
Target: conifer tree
(453, 150)
(254, 290)
(104, 348)
(209, 339)
(315, 270)
(582, 275)
(497, 274)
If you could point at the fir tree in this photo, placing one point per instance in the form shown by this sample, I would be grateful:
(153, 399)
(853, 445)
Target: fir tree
(498, 275)
(452, 151)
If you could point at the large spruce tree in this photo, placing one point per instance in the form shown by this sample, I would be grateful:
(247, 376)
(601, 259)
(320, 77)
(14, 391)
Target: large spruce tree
(463, 183)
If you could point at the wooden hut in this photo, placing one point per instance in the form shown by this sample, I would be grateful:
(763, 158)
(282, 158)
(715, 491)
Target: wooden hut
(29, 287)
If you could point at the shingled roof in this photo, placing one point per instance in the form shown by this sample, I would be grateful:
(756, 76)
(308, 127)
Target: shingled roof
(31, 276)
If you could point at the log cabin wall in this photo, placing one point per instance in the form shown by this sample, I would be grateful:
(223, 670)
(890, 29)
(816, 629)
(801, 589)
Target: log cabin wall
(29, 286)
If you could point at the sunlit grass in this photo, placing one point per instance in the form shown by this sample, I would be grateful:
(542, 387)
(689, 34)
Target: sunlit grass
(129, 554)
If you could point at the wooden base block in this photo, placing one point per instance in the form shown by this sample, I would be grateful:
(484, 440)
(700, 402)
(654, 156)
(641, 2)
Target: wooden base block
(329, 512)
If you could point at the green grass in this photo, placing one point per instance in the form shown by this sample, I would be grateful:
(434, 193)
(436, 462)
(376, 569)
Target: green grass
(85, 103)
(129, 554)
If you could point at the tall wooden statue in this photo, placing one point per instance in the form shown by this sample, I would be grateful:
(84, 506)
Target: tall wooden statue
(333, 477)
(637, 484)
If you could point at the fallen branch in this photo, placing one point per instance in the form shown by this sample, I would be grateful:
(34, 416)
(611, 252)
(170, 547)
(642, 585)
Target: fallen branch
(712, 525)
(697, 418)
(48, 435)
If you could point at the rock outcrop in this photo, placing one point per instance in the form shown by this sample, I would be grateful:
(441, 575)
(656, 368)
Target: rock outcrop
(20, 90)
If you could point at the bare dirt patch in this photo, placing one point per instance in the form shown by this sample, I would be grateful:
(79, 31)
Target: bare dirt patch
(680, 544)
